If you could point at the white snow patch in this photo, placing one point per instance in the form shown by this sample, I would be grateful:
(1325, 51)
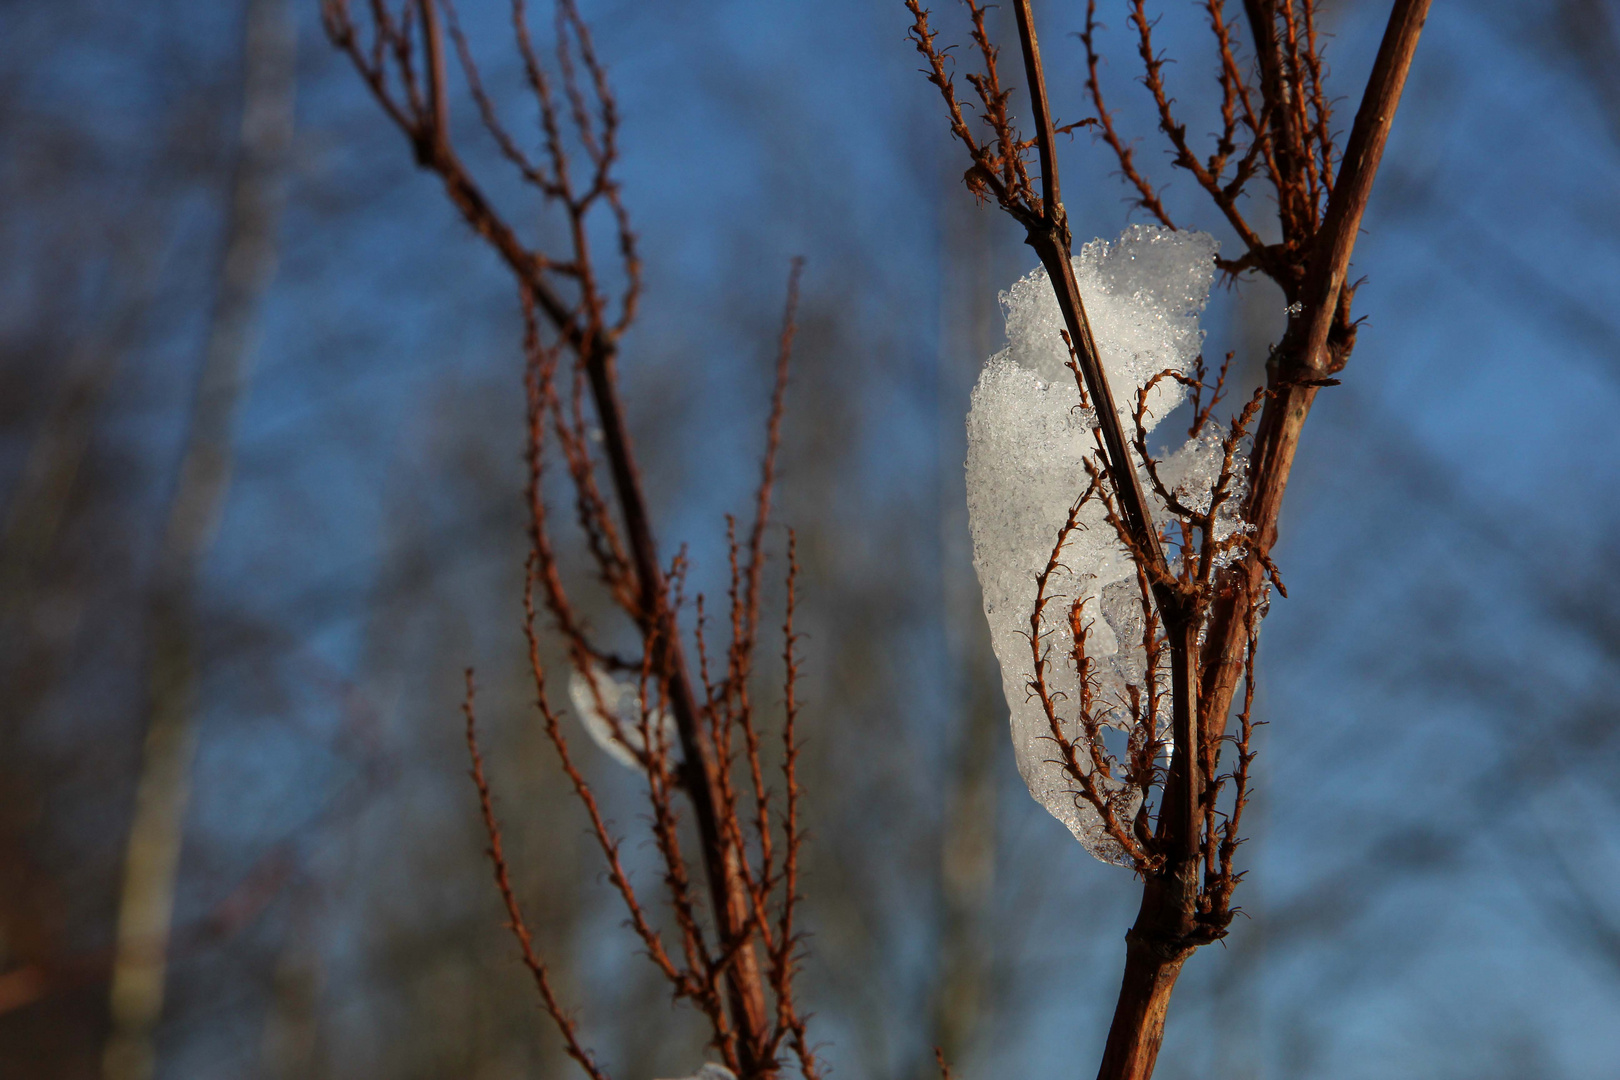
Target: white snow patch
(1027, 439)
(712, 1071)
(617, 729)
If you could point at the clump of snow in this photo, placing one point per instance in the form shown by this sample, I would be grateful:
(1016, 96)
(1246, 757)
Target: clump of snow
(615, 726)
(1028, 437)
(711, 1071)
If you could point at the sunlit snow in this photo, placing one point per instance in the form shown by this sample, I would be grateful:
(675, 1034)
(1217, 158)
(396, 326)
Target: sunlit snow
(1027, 438)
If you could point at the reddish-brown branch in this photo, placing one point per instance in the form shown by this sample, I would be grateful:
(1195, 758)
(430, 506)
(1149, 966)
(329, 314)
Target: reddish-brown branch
(1098, 762)
(608, 843)
(1225, 198)
(1137, 1030)
(1147, 197)
(1289, 142)
(1047, 231)
(1304, 356)
(438, 92)
(514, 912)
(1050, 207)
(745, 604)
(1282, 141)
(701, 779)
(783, 961)
(405, 68)
(1179, 817)
(1330, 255)
(1321, 111)
(773, 440)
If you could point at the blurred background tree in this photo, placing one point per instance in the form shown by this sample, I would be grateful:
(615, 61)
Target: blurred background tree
(1437, 836)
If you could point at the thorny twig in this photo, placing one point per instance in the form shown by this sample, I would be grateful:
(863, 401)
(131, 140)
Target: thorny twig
(1275, 126)
(514, 912)
(576, 308)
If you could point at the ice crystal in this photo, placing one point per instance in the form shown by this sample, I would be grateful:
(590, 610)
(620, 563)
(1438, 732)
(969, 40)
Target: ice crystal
(1028, 437)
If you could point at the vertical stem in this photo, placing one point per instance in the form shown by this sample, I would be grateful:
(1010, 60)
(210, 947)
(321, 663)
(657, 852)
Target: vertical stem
(1182, 817)
(730, 899)
(1302, 355)
(1155, 949)
(1157, 945)
(1046, 139)
(1051, 241)
(1144, 1001)
(438, 93)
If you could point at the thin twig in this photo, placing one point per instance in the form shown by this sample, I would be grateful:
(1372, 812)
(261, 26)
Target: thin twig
(514, 912)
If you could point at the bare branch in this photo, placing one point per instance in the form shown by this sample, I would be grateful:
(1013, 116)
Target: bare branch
(514, 912)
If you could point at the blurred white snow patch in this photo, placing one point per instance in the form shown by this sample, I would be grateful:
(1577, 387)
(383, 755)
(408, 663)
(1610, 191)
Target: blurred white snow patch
(1027, 438)
(615, 726)
(712, 1071)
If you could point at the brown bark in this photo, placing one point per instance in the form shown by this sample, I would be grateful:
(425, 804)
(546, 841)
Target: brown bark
(417, 100)
(1311, 265)
(1305, 357)
(1155, 948)
(1050, 238)
(247, 263)
(746, 989)
(1144, 1001)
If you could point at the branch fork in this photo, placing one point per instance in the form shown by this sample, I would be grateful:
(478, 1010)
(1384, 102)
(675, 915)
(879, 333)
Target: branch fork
(735, 962)
(1202, 618)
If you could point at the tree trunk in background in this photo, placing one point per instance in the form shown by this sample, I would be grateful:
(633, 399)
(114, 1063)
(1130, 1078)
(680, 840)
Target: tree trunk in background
(248, 259)
(39, 507)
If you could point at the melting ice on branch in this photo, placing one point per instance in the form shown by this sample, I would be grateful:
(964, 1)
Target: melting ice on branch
(1028, 438)
(615, 723)
(712, 1071)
